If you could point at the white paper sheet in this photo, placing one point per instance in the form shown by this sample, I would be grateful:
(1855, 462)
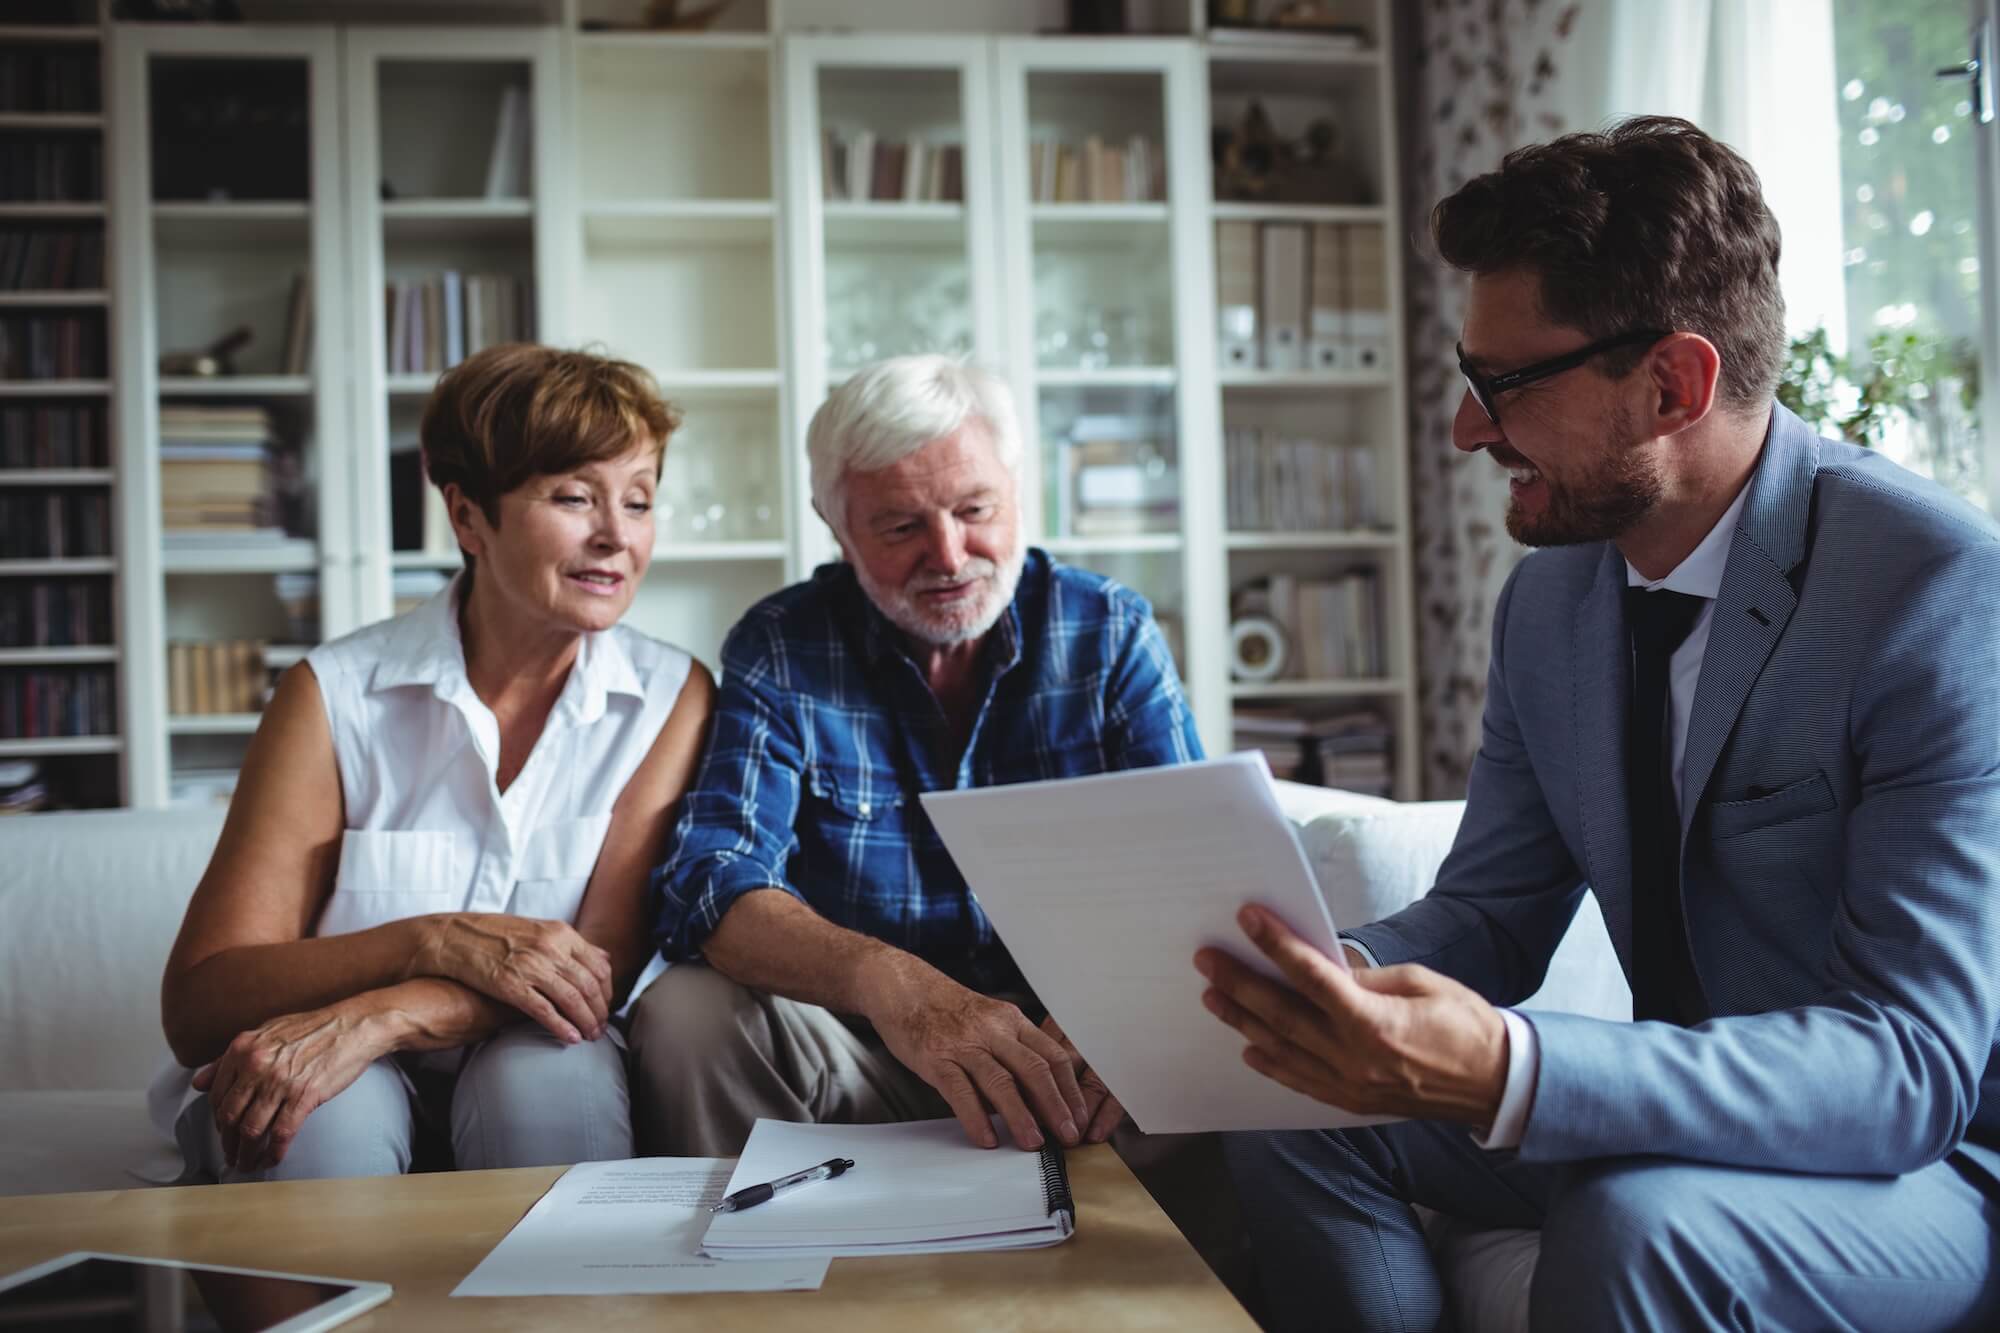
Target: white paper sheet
(917, 1187)
(1103, 887)
(628, 1228)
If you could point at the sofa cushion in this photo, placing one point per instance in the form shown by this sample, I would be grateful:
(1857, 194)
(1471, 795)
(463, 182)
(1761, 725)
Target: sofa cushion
(64, 1142)
(1372, 860)
(89, 907)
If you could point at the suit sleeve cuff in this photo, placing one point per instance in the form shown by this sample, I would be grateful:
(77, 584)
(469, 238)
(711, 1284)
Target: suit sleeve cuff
(1524, 1059)
(1367, 954)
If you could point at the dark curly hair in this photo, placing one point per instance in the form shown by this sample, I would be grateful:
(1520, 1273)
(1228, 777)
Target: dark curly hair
(1650, 224)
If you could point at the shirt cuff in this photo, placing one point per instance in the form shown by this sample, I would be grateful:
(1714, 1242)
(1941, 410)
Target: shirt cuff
(1367, 954)
(1524, 1060)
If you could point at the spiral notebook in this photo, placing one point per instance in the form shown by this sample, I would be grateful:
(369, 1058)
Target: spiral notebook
(916, 1188)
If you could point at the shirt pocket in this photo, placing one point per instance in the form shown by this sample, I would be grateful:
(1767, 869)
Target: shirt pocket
(863, 796)
(390, 876)
(554, 869)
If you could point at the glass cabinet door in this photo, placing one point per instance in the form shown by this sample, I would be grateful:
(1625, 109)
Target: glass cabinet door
(1106, 192)
(890, 244)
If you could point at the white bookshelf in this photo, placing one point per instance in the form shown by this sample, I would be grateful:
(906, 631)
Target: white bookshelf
(676, 215)
(83, 769)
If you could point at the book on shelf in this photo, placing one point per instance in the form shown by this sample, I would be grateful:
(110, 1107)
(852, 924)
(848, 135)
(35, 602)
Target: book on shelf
(433, 323)
(58, 77)
(61, 258)
(60, 435)
(1096, 171)
(55, 612)
(297, 358)
(52, 347)
(509, 163)
(42, 703)
(860, 166)
(68, 170)
(217, 676)
(55, 524)
(1283, 482)
(1333, 624)
(1352, 749)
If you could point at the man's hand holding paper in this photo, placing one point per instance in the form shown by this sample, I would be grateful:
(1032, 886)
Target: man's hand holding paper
(1398, 1041)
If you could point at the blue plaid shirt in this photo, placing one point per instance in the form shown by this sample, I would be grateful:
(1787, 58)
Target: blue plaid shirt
(825, 731)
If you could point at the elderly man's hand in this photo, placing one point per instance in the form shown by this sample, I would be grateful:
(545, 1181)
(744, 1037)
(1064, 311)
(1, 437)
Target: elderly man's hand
(979, 1053)
(1400, 1041)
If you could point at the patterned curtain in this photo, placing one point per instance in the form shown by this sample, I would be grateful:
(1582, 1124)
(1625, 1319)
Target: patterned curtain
(1478, 78)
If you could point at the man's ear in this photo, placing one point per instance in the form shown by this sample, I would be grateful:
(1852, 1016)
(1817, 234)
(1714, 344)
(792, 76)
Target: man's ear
(838, 540)
(1684, 369)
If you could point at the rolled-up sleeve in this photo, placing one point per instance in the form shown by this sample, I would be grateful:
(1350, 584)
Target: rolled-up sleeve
(735, 833)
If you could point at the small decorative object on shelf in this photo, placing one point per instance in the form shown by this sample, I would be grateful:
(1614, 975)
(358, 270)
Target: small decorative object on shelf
(1097, 16)
(1256, 164)
(22, 788)
(213, 361)
(1333, 625)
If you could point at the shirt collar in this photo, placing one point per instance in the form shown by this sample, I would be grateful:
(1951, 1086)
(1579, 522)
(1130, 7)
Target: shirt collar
(1700, 574)
(425, 648)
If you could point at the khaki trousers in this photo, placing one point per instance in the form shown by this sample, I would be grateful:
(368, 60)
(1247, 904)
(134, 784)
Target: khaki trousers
(710, 1056)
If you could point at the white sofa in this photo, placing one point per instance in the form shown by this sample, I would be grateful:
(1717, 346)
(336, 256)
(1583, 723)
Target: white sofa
(90, 902)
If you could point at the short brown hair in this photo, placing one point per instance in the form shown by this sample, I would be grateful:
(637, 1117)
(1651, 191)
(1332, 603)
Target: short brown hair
(518, 411)
(1651, 224)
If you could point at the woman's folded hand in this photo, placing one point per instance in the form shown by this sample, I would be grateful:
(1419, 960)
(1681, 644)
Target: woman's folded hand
(545, 969)
(270, 1078)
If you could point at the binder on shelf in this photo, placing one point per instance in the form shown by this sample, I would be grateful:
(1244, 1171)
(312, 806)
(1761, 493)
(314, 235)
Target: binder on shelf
(1236, 277)
(916, 1188)
(1367, 267)
(298, 326)
(1329, 346)
(1284, 294)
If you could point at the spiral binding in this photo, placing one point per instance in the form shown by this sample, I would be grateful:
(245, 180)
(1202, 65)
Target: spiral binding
(1055, 1182)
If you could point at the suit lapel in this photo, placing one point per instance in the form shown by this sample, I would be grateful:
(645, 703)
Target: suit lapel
(1602, 663)
(1756, 600)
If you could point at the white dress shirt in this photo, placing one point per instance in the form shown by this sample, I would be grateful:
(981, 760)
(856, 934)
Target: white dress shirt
(1699, 575)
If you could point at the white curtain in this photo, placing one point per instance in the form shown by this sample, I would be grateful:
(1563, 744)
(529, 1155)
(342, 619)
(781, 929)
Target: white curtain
(1757, 74)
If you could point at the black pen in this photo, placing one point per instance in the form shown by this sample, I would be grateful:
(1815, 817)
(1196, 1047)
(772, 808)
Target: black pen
(752, 1195)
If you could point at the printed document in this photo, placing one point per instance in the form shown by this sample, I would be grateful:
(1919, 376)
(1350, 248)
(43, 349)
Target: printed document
(628, 1229)
(1103, 887)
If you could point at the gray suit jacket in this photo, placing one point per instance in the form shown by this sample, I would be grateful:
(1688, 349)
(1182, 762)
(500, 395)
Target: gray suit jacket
(1840, 824)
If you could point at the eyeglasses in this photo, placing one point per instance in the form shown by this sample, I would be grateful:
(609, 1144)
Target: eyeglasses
(1486, 389)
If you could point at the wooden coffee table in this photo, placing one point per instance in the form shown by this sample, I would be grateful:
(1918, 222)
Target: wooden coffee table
(1126, 1267)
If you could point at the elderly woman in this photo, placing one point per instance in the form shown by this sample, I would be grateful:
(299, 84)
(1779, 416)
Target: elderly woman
(428, 899)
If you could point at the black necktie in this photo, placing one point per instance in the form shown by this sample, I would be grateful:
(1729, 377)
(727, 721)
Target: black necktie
(1663, 978)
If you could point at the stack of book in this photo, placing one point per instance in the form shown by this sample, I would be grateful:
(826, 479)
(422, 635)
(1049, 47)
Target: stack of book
(216, 676)
(58, 436)
(1118, 479)
(1281, 482)
(58, 701)
(856, 165)
(436, 322)
(54, 613)
(1334, 625)
(1353, 750)
(1294, 297)
(1096, 172)
(215, 469)
(40, 259)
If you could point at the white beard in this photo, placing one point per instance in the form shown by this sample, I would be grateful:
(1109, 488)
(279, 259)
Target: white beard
(969, 620)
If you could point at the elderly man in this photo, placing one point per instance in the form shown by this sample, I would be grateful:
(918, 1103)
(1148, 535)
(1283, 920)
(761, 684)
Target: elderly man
(1751, 698)
(830, 963)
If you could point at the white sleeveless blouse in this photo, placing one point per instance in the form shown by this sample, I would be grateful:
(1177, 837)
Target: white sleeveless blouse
(428, 829)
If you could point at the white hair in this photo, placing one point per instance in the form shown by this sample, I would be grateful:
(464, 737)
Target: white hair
(887, 411)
